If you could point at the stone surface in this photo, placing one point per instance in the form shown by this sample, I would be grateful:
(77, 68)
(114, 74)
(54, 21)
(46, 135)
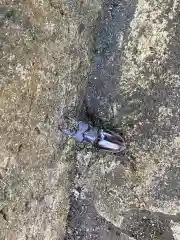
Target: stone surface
(145, 105)
(123, 56)
(176, 230)
(43, 66)
(149, 112)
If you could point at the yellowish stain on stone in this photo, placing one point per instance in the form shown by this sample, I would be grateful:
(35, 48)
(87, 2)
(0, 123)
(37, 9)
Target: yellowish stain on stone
(147, 46)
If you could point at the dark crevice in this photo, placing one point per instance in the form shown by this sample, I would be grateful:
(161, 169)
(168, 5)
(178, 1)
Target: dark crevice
(83, 221)
(4, 215)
